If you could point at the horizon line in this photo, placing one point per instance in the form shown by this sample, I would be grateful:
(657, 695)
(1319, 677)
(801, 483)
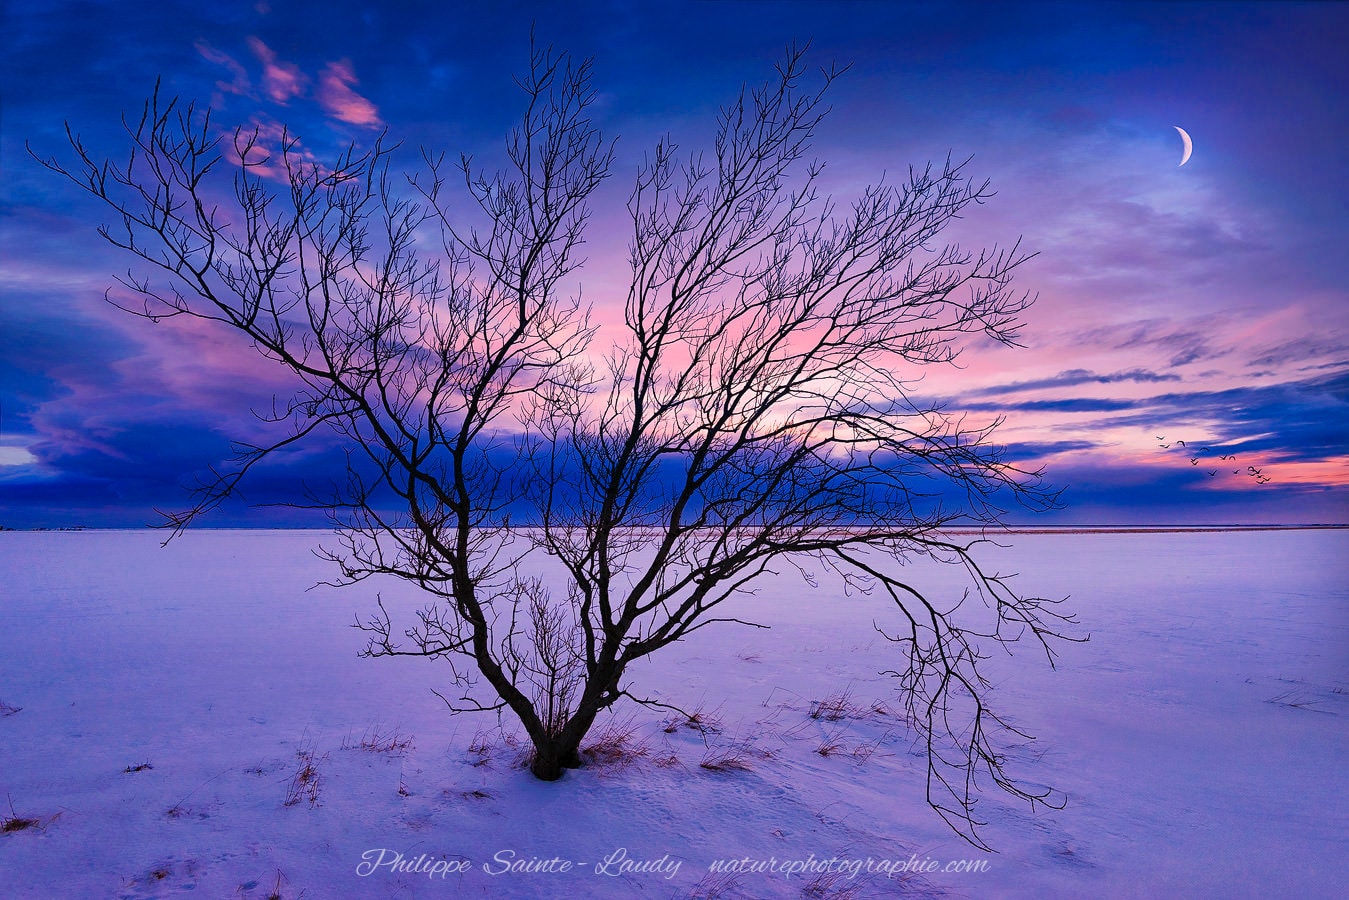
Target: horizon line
(1142, 528)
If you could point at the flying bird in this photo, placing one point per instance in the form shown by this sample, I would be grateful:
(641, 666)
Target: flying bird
(1253, 470)
(1194, 460)
(1180, 443)
(1212, 472)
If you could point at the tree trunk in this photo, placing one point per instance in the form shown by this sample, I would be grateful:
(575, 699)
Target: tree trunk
(555, 752)
(554, 756)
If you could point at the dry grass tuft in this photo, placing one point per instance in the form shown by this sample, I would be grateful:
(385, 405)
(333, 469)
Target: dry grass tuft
(275, 892)
(616, 745)
(667, 761)
(738, 756)
(838, 706)
(699, 720)
(864, 752)
(716, 885)
(832, 744)
(15, 823)
(480, 749)
(304, 784)
(376, 740)
(1295, 700)
(832, 886)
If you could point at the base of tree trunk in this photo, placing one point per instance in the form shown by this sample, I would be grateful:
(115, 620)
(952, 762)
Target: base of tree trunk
(548, 765)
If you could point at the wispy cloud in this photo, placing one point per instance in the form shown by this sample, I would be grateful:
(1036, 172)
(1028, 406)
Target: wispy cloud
(280, 80)
(1073, 378)
(334, 88)
(1300, 350)
(338, 100)
(239, 82)
(1183, 343)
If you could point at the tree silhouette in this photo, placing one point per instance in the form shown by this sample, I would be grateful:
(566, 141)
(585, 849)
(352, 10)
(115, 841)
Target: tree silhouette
(758, 410)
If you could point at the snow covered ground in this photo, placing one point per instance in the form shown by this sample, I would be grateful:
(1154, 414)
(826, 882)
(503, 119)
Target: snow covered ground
(166, 697)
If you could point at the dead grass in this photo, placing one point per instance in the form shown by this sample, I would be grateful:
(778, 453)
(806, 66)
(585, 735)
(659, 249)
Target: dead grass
(178, 809)
(716, 885)
(699, 720)
(838, 706)
(616, 745)
(1295, 700)
(304, 785)
(481, 744)
(139, 767)
(737, 756)
(18, 823)
(833, 886)
(14, 823)
(863, 752)
(480, 749)
(7, 709)
(276, 894)
(377, 740)
(833, 744)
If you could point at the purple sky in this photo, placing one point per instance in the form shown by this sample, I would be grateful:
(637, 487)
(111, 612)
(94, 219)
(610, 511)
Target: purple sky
(1202, 302)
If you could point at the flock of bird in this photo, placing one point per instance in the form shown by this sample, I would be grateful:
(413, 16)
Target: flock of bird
(1250, 471)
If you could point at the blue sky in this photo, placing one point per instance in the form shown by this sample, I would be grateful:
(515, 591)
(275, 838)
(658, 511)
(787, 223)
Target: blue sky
(1200, 303)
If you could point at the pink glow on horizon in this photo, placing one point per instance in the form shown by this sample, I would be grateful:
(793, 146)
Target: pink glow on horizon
(1332, 471)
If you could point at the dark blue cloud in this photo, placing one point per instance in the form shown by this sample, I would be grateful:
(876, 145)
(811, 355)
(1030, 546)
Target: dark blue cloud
(1073, 378)
(1030, 451)
(1300, 421)
(1068, 405)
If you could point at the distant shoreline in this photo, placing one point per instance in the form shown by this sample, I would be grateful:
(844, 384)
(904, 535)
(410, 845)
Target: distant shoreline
(1143, 529)
(968, 529)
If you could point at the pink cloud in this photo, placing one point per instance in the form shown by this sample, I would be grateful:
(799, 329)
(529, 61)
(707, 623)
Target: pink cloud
(281, 80)
(266, 158)
(340, 101)
(182, 367)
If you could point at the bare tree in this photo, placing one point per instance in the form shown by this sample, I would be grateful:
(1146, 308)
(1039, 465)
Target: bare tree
(760, 409)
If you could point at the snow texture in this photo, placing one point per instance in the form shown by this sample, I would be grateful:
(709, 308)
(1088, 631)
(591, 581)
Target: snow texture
(196, 718)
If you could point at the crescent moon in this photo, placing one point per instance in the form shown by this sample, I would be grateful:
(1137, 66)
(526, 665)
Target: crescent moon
(1189, 145)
